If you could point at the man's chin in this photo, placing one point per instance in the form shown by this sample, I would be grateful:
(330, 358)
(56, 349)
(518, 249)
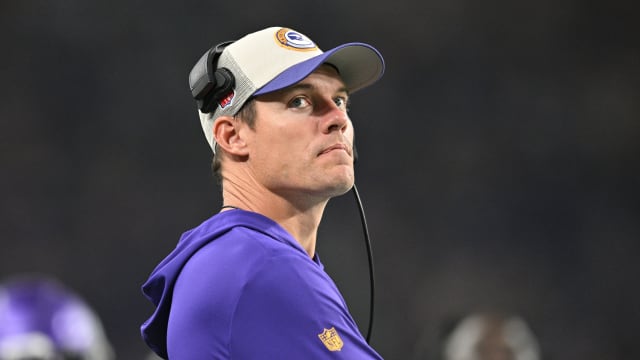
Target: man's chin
(341, 187)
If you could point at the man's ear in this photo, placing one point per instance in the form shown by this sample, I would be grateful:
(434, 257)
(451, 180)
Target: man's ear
(226, 131)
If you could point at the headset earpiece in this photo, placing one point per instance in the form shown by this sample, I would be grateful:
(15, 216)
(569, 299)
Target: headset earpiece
(210, 85)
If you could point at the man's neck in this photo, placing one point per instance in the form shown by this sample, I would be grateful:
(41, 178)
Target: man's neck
(300, 216)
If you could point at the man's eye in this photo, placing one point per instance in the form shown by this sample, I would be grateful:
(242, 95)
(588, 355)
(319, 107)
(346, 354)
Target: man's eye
(299, 102)
(341, 102)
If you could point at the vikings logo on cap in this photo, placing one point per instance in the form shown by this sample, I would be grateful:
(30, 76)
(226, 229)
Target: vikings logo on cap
(294, 40)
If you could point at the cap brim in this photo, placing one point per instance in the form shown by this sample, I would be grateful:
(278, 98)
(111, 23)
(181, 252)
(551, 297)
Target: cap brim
(359, 65)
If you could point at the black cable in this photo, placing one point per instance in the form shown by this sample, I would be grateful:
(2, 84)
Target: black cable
(367, 240)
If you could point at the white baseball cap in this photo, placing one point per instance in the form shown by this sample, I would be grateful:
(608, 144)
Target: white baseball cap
(276, 57)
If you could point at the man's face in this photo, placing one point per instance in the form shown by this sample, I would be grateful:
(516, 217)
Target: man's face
(302, 141)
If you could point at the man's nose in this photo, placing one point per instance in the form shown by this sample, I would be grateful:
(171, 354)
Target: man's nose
(336, 118)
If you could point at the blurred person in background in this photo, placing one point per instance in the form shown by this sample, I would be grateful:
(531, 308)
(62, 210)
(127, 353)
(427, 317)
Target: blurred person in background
(482, 336)
(41, 319)
(488, 336)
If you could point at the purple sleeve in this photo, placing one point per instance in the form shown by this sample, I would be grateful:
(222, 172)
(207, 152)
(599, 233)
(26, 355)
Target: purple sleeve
(292, 310)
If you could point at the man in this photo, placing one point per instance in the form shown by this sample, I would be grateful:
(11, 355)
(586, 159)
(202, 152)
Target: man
(247, 283)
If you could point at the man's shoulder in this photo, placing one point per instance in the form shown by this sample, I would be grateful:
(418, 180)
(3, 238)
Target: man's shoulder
(242, 253)
(245, 242)
(240, 233)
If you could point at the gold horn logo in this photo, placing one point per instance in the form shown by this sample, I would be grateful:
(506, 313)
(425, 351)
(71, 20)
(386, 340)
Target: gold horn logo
(331, 339)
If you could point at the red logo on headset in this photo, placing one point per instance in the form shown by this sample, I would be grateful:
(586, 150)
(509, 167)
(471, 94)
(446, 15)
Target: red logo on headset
(227, 100)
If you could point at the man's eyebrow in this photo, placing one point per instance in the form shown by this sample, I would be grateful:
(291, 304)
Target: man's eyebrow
(305, 86)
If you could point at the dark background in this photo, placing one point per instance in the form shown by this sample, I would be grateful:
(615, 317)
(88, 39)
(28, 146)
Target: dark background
(498, 159)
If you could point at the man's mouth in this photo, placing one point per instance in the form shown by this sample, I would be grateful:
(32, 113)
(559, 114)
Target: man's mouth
(338, 146)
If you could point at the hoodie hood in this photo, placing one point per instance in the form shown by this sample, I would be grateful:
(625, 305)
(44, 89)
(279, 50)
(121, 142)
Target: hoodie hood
(159, 287)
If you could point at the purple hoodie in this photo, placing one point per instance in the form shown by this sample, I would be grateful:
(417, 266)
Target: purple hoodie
(253, 293)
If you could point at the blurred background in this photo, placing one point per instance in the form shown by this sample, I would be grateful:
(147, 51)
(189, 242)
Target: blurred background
(498, 159)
